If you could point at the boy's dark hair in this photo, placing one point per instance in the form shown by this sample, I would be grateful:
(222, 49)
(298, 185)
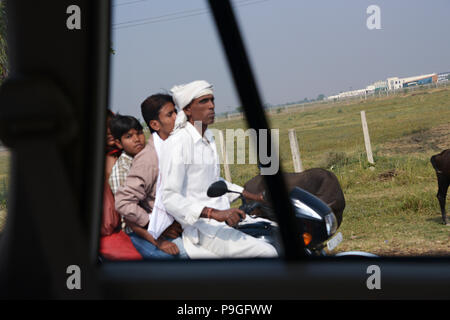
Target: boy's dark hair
(152, 105)
(119, 125)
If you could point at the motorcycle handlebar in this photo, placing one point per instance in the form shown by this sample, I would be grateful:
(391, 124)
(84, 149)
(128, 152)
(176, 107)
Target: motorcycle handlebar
(248, 208)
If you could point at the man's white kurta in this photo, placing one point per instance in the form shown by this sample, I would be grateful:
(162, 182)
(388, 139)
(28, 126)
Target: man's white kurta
(189, 164)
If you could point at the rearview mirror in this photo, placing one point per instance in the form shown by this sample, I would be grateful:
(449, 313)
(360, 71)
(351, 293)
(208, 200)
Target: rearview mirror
(217, 189)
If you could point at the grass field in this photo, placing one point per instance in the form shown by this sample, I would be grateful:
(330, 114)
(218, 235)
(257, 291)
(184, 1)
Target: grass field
(391, 210)
(4, 175)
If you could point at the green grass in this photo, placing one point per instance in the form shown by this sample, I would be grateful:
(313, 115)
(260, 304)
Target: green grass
(4, 178)
(4, 164)
(391, 210)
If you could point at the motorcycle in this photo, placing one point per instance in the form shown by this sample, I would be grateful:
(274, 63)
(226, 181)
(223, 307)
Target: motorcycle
(314, 217)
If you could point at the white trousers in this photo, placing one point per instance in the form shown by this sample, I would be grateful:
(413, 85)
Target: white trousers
(228, 243)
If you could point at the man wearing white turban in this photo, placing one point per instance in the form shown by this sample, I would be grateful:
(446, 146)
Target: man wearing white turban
(189, 164)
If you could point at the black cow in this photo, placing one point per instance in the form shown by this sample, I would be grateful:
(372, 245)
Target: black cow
(441, 164)
(322, 183)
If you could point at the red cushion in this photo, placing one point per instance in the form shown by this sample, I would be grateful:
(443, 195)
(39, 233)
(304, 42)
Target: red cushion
(118, 246)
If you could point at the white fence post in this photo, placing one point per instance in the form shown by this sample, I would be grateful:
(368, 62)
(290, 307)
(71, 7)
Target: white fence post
(226, 169)
(367, 138)
(298, 167)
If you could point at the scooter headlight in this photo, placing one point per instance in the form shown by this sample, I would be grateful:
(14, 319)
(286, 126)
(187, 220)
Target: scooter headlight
(305, 210)
(331, 223)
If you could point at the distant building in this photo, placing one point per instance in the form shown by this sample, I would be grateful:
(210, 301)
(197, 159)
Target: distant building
(335, 97)
(353, 93)
(380, 86)
(443, 77)
(420, 80)
(395, 83)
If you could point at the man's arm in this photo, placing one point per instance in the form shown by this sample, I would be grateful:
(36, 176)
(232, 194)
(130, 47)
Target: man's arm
(174, 171)
(253, 196)
(248, 195)
(161, 244)
(230, 216)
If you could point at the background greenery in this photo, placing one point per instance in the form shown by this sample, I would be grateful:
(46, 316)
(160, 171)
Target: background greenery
(391, 210)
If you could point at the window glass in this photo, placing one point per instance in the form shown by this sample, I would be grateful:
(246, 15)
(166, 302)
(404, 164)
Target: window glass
(358, 107)
(157, 45)
(322, 69)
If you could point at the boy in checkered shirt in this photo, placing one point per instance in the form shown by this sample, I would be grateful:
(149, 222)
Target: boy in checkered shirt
(128, 135)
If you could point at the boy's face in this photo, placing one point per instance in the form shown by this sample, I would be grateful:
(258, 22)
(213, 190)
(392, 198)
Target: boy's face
(132, 142)
(166, 122)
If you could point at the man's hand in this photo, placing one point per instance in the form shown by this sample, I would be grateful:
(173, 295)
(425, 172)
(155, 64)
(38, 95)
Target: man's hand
(231, 216)
(168, 247)
(173, 231)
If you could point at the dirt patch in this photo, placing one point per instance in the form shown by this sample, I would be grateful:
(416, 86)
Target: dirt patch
(435, 139)
(388, 175)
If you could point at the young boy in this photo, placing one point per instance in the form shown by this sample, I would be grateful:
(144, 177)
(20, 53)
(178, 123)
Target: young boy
(129, 136)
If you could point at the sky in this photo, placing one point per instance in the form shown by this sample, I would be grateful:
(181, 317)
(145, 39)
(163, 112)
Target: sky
(298, 49)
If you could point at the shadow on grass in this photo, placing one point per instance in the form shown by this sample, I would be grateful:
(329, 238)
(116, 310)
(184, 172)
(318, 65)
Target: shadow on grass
(437, 220)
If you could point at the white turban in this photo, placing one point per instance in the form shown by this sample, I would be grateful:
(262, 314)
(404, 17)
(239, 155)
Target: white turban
(184, 94)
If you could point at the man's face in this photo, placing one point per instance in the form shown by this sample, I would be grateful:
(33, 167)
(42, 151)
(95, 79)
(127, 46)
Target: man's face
(166, 122)
(132, 142)
(201, 109)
